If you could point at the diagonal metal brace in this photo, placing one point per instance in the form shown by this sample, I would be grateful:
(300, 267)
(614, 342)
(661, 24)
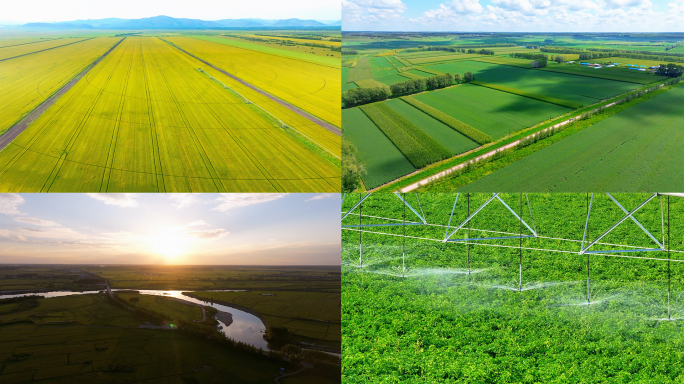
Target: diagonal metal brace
(356, 205)
(421, 217)
(629, 215)
(637, 222)
(447, 237)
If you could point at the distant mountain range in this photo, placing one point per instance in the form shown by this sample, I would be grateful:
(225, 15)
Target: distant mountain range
(166, 22)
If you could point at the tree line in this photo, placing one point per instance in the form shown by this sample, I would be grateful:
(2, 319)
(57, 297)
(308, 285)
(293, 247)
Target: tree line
(600, 53)
(360, 96)
(670, 70)
(470, 50)
(539, 60)
(350, 52)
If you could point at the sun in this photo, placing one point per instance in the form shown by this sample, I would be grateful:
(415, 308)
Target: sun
(168, 244)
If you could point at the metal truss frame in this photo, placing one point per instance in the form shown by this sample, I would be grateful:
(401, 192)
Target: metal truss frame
(421, 217)
(447, 235)
(628, 215)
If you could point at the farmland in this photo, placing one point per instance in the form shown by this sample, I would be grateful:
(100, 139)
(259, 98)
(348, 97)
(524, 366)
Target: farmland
(577, 318)
(87, 338)
(146, 119)
(504, 97)
(639, 149)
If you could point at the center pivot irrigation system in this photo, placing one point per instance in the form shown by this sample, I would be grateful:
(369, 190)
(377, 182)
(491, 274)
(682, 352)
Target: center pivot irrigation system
(659, 245)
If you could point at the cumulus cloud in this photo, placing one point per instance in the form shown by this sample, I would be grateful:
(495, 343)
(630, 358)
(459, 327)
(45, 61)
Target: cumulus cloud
(9, 203)
(371, 11)
(619, 4)
(36, 221)
(119, 199)
(228, 201)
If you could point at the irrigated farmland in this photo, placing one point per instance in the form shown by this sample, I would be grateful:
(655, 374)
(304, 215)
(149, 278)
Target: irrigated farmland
(149, 117)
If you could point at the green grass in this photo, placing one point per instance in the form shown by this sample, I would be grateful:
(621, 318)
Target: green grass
(613, 73)
(419, 148)
(638, 149)
(580, 89)
(458, 328)
(362, 70)
(392, 79)
(394, 61)
(419, 73)
(470, 132)
(382, 160)
(379, 62)
(348, 86)
(172, 310)
(379, 73)
(547, 99)
(452, 139)
(490, 111)
(370, 83)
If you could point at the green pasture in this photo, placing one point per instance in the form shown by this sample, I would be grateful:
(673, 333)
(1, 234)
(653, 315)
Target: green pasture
(174, 311)
(639, 149)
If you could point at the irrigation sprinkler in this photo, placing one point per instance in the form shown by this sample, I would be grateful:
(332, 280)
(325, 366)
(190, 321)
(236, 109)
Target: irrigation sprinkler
(403, 200)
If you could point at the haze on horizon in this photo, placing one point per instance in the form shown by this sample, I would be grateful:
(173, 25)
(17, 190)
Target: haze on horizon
(513, 15)
(170, 229)
(70, 10)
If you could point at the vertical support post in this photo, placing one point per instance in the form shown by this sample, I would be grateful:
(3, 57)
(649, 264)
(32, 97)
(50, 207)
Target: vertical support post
(585, 231)
(360, 234)
(520, 246)
(468, 243)
(669, 313)
(403, 239)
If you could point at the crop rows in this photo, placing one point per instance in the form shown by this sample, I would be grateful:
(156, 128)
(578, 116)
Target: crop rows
(145, 119)
(19, 50)
(27, 81)
(419, 148)
(475, 135)
(618, 74)
(312, 87)
(548, 99)
(369, 83)
(362, 70)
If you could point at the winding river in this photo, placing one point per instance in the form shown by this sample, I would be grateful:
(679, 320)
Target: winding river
(245, 327)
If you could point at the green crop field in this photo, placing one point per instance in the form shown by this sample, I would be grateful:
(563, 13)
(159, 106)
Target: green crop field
(581, 89)
(393, 60)
(493, 112)
(145, 119)
(381, 159)
(379, 73)
(571, 318)
(419, 73)
(454, 141)
(639, 149)
(613, 73)
(313, 315)
(379, 62)
(362, 70)
(392, 79)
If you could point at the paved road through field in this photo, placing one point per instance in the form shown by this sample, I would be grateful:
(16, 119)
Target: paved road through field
(284, 103)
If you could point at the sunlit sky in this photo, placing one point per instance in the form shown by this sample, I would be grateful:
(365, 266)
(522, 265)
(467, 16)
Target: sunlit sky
(69, 10)
(195, 229)
(514, 15)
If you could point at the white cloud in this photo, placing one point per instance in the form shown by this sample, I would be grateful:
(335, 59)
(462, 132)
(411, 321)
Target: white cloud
(208, 234)
(119, 199)
(183, 199)
(621, 4)
(322, 196)
(371, 11)
(228, 201)
(9, 203)
(36, 221)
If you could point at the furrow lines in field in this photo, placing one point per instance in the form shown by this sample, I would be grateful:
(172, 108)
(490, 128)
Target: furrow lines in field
(153, 131)
(46, 49)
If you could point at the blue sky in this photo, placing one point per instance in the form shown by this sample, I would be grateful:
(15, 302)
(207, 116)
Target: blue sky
(514, 15)
(68, 10)
(214, 229)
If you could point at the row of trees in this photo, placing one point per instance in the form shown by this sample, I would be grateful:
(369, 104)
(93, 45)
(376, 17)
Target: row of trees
(675, 45)
(539, 60)
(350, 52)
(352, 169)
(360, 96)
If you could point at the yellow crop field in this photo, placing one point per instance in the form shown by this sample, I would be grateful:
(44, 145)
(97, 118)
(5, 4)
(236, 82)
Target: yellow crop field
(145, 119)
(17, 50)
(305, 41)
(314, 88)
(27, 81)
(13, 41)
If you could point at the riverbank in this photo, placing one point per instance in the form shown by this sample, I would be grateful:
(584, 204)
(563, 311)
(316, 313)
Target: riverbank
(240, 307)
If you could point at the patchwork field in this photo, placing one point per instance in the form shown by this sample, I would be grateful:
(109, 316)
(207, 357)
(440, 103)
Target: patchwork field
(639, 149)
(493, 112)
(145, 119)
(27, 81)
(581, 89)
(20, 50)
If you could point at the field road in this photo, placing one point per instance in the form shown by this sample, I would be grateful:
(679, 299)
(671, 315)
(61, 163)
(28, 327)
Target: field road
(22, 124)
(491, 153)
(284, 103)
